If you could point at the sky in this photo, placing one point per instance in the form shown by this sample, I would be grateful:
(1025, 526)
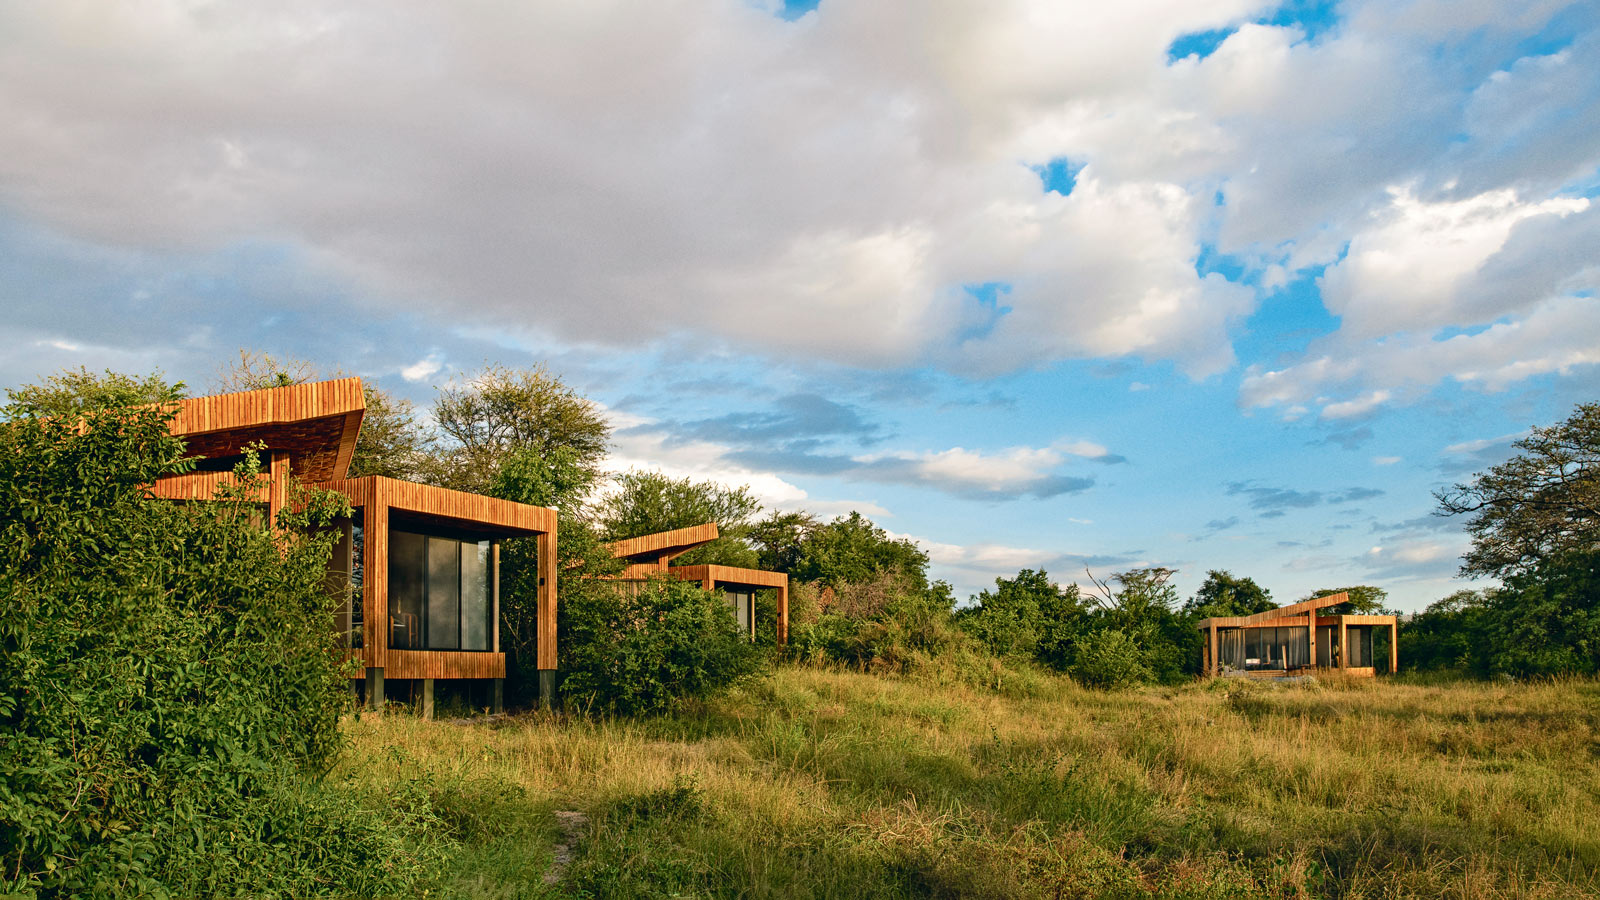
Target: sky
(1207, 284)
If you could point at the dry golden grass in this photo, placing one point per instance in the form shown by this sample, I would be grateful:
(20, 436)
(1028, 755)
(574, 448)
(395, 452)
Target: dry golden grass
(824, 783)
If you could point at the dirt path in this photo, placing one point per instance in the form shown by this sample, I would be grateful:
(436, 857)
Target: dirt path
(572, 824)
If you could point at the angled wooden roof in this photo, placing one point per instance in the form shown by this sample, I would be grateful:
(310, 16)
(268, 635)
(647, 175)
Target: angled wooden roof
(1301, 609)
(664, 545)
(734, 576)
(315, 423)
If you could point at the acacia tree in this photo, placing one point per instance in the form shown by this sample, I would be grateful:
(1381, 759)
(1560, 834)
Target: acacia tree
(1540, 504)
(485, 416)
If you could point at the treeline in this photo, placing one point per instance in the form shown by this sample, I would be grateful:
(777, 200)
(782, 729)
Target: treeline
(1535, 526)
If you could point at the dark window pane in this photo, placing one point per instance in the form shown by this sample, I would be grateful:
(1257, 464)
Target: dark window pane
(407, 586)
(444, 594)
(475, 600)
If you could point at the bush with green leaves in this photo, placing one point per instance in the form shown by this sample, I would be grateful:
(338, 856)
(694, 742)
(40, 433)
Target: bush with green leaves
(644, 649)
(169, 698)
(1110, 658)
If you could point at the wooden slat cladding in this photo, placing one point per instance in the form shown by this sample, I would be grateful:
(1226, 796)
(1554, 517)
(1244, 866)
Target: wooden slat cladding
(316, 424)
(198, 486)
(444, 664)
(664, 543)
(731, 575)
(519, 518)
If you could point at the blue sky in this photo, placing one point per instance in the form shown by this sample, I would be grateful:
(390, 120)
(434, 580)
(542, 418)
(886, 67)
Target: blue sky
(1215, 284)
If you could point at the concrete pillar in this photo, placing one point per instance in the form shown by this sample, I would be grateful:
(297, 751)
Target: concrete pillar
(1344, 644)
(497, 696)
(547, 688)
(375, 687)
(1394, 647)
(427, 699)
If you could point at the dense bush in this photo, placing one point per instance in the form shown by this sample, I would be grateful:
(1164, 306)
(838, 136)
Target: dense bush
(1545, 621)
(641, 651)
(1110, 658)
(168, 698)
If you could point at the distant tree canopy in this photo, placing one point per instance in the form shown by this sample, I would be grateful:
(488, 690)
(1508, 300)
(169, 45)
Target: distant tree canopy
(647, 502)
(78, 391)
(851, 549)
(1540, 504)
(1223, 594)
(486, 416)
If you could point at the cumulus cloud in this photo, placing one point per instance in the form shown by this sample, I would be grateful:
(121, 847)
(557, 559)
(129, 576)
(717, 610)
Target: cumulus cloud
(814, 189)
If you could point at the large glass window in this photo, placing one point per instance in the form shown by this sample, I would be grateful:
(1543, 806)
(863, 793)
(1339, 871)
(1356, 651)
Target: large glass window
(439, 593)
(1281, 647)
(742, 603)
(1360, 650)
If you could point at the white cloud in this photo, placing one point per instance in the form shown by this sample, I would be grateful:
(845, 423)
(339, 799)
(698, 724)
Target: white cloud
(1359, 406)
(1557, 336)
(1385, 460)
(422, 369)
(599, 174)
(1408, 273)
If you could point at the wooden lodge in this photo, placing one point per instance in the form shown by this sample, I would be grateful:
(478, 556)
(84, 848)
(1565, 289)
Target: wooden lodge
(419, 566)
(651, 556)
(1294, 639)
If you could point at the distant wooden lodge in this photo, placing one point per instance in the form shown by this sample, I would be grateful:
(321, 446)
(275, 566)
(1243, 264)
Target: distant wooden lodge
(1295, 639)
(651, 555)
(418, 566)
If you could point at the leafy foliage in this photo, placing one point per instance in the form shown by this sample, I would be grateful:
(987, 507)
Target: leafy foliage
(77, 391)
(1364, 600)
(1110, 658)
(1540, 504)
(1029, 616)
(500, 410)
(852, 550)
(644, 651)
(647, 502)
(1223, 594)
(168, 694)
(780, 539)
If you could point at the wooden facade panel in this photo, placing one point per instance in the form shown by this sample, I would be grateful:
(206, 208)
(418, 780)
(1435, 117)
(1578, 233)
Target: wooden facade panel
(731, 575)
(663, 545)
(444, 664)
(198, 486)
(427, 500)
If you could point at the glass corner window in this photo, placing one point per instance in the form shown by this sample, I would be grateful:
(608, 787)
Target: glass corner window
(440, 593)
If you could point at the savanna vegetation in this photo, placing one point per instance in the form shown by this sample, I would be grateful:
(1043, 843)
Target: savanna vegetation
(1038, 739)
(828, 782)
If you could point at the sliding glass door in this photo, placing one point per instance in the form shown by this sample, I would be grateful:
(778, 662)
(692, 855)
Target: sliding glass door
(439, 593)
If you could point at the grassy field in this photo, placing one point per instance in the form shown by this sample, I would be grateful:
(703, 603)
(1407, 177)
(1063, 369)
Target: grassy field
(830, 784)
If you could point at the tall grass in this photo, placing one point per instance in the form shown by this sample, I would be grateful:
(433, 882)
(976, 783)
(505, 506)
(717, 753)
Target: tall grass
(821, 783)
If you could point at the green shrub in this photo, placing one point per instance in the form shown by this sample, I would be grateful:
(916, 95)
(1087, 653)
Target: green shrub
(643, 651)
(1110, 659)
(168, 698)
